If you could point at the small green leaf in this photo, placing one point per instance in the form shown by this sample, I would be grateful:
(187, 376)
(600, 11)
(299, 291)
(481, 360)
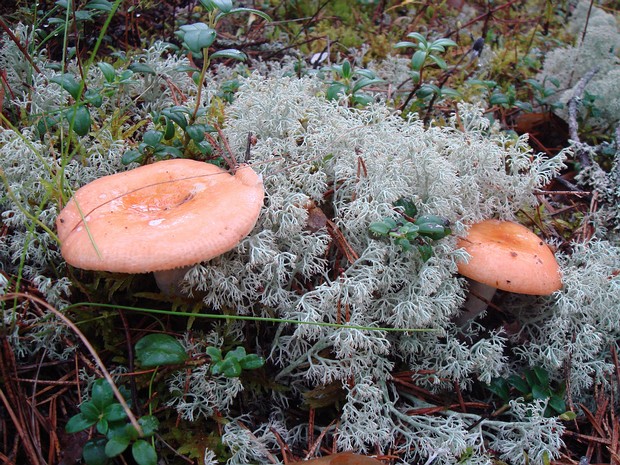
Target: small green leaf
(152, 138)
(116, 446)
(143, 453)
(109, 73)
(438, 61)
(101, 5)
(78, 423)
(251, 362)
(379, 228)
(142, 68)
(417, 60)
(407, 207)
(164, 151)
(519, 384)
(567, 416)
(404, 44)
(417, 36)
(93, 452)
(426, 252)
(224, 6)
(346, 69)
(102, 394)
(196, 37)
(159, 349)
(115, 412)
(335, 91)
(102, 426)
(90, 411)
(214, 353)
(79, 116)
(433, 230)
(196, 132)
(230, 53)
(131, 156)
(229, 367)
(69, 83)
(149, 425)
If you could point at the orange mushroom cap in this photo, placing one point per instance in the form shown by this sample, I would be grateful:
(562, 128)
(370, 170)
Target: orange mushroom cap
(162, 216)
(508, 256)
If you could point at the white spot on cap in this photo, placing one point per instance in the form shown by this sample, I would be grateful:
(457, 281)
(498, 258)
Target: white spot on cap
(156, 222)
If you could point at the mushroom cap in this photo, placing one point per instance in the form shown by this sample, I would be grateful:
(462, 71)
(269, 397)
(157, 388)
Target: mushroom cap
(510, 257)
(166, 215)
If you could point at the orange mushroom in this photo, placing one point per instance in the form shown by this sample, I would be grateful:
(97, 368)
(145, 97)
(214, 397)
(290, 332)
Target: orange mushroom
(344, 458)
(507, 256)
(159, 218)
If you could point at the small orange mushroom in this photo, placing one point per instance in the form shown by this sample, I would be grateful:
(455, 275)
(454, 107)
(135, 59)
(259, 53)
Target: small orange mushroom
(343, 458)
(159, 218)
(508, 256)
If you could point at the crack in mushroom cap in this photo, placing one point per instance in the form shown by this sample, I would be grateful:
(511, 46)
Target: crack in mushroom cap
(508, 256)
(162, 216)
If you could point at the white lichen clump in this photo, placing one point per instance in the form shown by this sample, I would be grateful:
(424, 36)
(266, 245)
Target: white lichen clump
(353, 164)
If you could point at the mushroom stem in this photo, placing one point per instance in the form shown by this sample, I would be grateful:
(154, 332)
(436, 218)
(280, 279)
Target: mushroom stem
(478, 299)
(169, 281)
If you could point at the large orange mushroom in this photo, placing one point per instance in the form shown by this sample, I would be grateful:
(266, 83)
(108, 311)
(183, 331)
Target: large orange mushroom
(508, 256)
(159, 218)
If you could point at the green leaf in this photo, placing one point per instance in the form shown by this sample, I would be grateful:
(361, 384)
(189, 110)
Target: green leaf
(364, 82)
(69, 83)
(433, 230)
(419, 37)
(237, 353)
(90, 411)
(230, 53)
(116, 446)
(251, 362)
(196, 37)
(499, 387)
(176, 114)
(115, 412)
(229, 367)
(519, 384)
(164, 151)
(335, 91)
(346, 69)
(404, 44)
(159, 349)
(438, 61)
(102, 426)
(141, 68)
(131, 156)
(143, 453)
(152, 138)
(149, 425)
(196, 132)
(567, 416)
(407, 207)
(79, 117)
(214, 353)
(442, 43)
(418, 59)
(252, 11)
(109, 73)
(224, 6)
(205, 148)
(557, 403)
(93, 452)
(101, 5)
(102, 394)
(379, 228)
(426, 252)
(78, 423)
(541, 375)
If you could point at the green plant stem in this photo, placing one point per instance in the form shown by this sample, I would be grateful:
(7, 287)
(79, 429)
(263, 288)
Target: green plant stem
(201, 78)
(247, 318)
